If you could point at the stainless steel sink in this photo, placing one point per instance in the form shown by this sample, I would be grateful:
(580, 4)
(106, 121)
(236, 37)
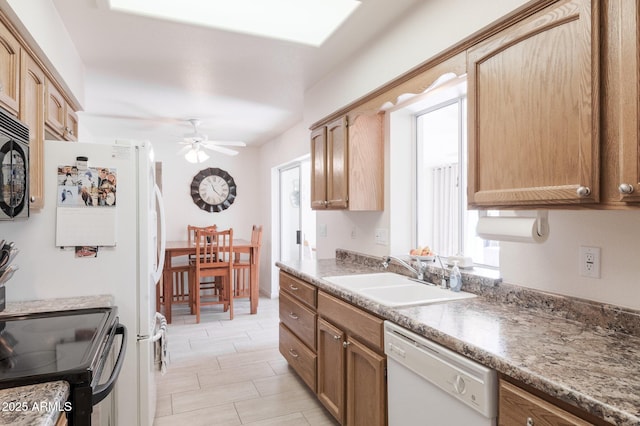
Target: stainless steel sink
(395, 290)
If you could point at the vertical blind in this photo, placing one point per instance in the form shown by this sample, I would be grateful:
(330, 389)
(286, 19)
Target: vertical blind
(446, 205)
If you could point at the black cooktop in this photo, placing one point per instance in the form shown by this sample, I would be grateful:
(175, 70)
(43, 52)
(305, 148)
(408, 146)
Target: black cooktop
(50, 346)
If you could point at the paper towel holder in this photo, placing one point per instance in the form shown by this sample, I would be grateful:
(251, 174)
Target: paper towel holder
(514, 228)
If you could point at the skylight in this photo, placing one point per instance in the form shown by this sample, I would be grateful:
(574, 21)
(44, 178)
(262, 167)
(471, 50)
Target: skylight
(309, 22)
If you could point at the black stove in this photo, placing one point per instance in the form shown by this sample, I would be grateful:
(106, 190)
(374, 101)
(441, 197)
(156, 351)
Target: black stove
(66, 345)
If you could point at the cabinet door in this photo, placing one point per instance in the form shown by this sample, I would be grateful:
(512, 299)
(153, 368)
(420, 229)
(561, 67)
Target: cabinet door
(622, 106)
(366, 386)
(9, 70)
(55, 110)
(331, 369)
(337, 164)
(32, 95)
(533, 110)
(319, 168)
(70, 124)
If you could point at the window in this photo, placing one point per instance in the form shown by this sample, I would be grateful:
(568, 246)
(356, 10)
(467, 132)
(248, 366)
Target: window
(442, 219)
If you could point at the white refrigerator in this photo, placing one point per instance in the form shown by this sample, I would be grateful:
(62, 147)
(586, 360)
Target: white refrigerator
(129, 228)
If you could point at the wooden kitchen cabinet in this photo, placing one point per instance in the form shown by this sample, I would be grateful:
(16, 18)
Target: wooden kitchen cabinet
(347, 164)
(32, 111)
(351, 363)
(61, 120)
(297, 340)
(533, 108)
(516, 406)
(9, 70)
(621, 109)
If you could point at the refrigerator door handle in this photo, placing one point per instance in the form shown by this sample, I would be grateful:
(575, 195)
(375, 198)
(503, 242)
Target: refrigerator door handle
(163, 238)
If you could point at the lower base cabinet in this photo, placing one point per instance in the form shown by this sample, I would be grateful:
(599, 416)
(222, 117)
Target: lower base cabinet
(517, 407)
(338, 351)
(351, 381)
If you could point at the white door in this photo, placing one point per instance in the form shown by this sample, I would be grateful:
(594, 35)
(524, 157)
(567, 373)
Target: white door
(297, 220)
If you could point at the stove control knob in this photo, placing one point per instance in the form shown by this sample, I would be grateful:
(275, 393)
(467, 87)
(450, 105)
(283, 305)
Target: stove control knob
(459, 385)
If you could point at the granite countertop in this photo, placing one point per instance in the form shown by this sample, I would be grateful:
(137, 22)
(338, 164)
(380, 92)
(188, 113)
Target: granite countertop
(41, 404)
(582, 355)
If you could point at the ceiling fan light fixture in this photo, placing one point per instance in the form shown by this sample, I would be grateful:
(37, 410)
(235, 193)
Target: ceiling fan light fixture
(195, 155)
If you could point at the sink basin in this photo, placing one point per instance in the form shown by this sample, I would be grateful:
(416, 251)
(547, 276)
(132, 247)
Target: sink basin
(395, 290)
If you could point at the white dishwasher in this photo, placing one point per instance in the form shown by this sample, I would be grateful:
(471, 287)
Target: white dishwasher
(428, 384)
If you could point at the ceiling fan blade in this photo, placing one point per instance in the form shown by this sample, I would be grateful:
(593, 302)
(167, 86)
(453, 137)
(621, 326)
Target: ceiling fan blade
(226, 143)
(221, 149)
(184, 149)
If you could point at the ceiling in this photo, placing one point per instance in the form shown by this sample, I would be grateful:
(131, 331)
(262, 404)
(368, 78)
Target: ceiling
(153, 75)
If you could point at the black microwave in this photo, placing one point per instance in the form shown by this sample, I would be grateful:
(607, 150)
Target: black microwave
(14, 168)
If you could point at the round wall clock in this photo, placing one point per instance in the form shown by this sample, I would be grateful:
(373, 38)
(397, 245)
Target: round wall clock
(213, 190)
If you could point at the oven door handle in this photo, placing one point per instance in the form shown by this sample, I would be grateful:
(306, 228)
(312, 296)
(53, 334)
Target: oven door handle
(101, 391)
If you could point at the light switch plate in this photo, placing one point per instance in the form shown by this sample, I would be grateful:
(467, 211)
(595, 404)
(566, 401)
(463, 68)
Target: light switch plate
(382, 236)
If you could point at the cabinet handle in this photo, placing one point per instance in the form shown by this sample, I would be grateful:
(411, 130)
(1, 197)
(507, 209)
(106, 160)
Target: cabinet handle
(529, 421)
(325, 203)
(32, 199)
(293, 316)
(583, 191)
(626, 188)
(293, 288)
(336, 337)
(345, 344)
(293, 353)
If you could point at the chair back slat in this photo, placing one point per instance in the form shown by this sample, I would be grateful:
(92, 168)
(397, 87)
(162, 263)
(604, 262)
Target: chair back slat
(214, 249)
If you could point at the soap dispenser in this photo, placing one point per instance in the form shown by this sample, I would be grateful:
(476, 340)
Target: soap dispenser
(455, 278)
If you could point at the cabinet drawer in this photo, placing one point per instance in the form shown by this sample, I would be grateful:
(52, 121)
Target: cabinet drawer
(355, 321)
(299, 357)
(300, 320)
(298, 289)
(519, 407)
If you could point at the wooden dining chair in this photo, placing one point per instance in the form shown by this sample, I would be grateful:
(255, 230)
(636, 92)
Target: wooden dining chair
(214, 258)
(242, 267)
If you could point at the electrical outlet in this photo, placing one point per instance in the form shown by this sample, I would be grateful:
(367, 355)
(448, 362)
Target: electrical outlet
(322, 230)
(590, 262)
(354, 234)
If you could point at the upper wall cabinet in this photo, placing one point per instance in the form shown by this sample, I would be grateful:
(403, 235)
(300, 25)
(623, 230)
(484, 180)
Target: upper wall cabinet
(32, 93)
(347, 164)
(9, 70)
(61, 119)
(533, 110)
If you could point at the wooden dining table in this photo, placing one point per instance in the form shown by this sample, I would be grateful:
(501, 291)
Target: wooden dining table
(184, 248)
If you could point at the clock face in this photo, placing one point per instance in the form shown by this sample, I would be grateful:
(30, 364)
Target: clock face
(213, 190)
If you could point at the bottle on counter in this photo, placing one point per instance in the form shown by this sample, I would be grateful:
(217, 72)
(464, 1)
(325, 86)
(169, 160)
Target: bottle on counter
(455, 278)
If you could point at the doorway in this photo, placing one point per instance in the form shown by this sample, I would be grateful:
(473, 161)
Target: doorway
(297, 220)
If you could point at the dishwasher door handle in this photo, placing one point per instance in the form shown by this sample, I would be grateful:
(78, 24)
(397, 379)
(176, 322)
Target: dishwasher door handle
(397, 350)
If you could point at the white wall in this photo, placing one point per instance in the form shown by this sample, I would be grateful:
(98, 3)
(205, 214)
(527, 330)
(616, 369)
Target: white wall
(289, 146)
(552, 266)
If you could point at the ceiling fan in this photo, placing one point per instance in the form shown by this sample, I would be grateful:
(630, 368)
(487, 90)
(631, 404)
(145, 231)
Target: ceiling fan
(196, 143)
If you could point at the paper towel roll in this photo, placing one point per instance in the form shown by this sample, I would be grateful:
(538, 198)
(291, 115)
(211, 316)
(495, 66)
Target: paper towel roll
(517, 229)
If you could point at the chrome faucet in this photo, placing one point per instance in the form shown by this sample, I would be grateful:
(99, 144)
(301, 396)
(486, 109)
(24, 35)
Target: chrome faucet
(419, 271)
(443, 282)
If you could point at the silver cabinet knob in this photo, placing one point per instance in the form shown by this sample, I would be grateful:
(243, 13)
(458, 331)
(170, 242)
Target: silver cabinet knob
(529, 421)
(625, 188)
(583, 191)
(336, 337)
(32, 199)
(345, 344)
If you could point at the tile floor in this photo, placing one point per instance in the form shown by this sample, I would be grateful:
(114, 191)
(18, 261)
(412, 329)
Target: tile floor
(225, 372)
